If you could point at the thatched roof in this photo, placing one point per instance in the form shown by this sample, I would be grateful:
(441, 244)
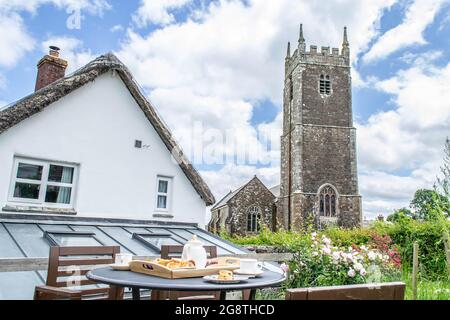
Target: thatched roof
(42, 98)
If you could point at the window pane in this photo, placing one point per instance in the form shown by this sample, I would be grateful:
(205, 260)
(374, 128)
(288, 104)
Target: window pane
(163, 186)
(29, 171)
(56, 194)
(60, 174)
(26, 190)
(159, 241)
(162, 202)
(69, 241)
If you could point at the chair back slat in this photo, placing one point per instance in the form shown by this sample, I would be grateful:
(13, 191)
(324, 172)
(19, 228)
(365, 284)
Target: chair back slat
(381, 291)
(68, 273)
(79, 282)
(85, 262)
(68, 267)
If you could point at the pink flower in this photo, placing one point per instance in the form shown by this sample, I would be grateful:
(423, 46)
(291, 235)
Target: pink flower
(284, 267)
(362, 272)
(326, 250)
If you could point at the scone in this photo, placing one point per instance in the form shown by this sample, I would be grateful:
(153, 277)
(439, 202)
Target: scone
(225, 275)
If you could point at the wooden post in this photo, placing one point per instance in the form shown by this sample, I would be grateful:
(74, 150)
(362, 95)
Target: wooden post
(447, 251)
(415, 269)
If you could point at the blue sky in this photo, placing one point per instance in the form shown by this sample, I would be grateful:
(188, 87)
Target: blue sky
(221, 63)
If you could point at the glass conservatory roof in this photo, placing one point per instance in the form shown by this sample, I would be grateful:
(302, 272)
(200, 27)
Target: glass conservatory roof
(32, 236)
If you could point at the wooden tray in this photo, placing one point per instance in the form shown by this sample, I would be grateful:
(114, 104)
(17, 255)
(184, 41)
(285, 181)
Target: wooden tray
(154, 269)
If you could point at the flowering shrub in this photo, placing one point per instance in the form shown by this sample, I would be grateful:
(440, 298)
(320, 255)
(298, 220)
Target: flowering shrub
(317, 262)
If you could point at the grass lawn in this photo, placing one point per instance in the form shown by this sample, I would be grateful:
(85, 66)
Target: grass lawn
(428, 290)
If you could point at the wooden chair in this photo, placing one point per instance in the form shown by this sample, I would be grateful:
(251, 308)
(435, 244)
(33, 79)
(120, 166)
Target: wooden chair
(170, 251)
(66, 276)
(374, 291)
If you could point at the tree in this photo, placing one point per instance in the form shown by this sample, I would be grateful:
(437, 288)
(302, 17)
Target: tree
(400, 214)
(442, 184)
(428, 204)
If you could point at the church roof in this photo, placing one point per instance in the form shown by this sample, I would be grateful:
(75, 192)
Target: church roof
(227, 198)
(39, 100)
(231, 194)
(275, 190)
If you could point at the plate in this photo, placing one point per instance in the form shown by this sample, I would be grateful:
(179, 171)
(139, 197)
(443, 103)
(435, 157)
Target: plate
(121, 267)
(251, 274)
(215, 279)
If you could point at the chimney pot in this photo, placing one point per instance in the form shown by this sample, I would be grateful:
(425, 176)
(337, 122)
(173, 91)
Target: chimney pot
(54, 51)
(50, 68)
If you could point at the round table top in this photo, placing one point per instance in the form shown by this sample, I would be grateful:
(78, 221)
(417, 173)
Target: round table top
(130, 279)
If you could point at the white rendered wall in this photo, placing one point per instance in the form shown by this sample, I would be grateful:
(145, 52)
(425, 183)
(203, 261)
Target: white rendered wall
(96, 126)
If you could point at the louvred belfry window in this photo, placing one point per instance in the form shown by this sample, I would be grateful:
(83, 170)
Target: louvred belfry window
(327, 202)
(325, 84)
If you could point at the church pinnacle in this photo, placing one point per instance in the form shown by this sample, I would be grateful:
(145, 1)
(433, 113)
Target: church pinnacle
(301, 40)
(345, 44)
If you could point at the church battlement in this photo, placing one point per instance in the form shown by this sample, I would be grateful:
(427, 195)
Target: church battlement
(324, 56)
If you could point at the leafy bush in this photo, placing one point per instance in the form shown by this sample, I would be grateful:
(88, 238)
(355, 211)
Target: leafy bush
(317, 262)
(403, 234)
(429, 236)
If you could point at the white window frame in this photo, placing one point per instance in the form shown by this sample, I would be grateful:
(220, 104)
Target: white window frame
(43, 183)
(168, 194)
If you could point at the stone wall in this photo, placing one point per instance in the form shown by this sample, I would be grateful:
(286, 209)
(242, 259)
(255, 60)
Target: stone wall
(255, 193)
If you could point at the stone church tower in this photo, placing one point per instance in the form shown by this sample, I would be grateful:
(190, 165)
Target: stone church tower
(318, 144)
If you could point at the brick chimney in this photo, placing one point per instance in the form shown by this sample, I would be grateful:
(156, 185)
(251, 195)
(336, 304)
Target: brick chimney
(50, 68)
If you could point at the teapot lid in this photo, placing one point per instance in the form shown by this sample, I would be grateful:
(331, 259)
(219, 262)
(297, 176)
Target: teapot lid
(195, 241)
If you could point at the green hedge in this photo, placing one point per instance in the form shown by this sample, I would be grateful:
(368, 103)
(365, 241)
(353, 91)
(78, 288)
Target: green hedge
(432, 258)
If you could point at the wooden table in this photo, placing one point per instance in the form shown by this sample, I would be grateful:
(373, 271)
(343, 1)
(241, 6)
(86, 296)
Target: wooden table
(119, 280)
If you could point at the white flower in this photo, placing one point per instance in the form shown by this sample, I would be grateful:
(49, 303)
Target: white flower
(326, 240)
(386, 257)
(313, 235)
(351, 273)
(362, 272)
(349, 257)
(358, 266)
(363, 248)
(371, 255)
(326, 250)
(336, 256)
(315, 254)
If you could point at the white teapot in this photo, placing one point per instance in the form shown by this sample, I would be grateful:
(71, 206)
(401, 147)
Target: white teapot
(193, 250)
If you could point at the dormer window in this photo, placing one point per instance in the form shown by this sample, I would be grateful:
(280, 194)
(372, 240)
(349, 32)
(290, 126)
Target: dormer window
(325, 84)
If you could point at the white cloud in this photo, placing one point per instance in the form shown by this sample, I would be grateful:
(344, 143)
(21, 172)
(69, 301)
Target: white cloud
(95, 7)
(231, 177)
(213, 67)
(418, 16)
(409, 138)
(116, 28)
(72, 50)
(15, 41)
(158, 12)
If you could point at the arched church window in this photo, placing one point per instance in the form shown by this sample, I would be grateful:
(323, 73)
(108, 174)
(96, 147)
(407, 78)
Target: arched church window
(253, 219)
(327, 202)
(324, 84)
